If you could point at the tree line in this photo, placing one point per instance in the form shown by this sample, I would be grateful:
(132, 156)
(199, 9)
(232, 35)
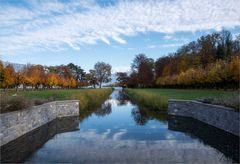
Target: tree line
(212, 61)
(63, 76)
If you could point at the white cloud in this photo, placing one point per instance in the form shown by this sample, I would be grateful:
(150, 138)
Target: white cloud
(121, 69)
(167, 45)
(168, 37)
(53, 24)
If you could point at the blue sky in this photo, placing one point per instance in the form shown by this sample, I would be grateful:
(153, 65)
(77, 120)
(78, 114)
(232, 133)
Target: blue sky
(83, 32)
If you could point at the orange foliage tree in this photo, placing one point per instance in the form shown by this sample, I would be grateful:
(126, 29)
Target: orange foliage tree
(9, 76)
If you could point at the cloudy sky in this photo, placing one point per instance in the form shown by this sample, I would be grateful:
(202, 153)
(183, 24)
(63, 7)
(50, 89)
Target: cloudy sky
(53, 32)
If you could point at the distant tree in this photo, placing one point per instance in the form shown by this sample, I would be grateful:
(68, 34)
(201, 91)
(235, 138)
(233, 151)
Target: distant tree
(208, 51)
(133, 80)
(1, 74)
(9, 76)
(143, 67)
(78, 73)
(225, 43)
(92, 78)
(236, 45)
(103, 72)
(52, 80)
(19, 79)
(122, 78)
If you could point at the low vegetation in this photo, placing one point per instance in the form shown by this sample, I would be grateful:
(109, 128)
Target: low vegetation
(88, 98)
(158, 98)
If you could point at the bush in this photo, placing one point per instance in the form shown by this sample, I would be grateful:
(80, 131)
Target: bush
(14, 103)
(40, 101)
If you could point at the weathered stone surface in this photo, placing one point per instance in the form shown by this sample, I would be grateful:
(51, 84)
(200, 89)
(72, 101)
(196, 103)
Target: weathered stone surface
(17, 123)
(218, 116)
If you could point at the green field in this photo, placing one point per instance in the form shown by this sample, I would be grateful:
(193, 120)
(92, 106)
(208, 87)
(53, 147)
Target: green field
(88, 98)
(158, 98)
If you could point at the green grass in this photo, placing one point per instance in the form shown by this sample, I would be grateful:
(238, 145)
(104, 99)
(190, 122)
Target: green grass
(88, 98)
(158, 98)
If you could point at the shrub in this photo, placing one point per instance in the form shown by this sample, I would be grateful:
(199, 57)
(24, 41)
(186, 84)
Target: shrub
(13, 103)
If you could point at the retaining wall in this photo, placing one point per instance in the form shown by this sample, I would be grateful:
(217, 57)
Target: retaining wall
(17, 123)
(218, 116)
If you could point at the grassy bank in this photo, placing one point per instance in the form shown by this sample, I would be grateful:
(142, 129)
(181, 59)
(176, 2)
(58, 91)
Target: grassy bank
(88, 98)
(158, 98)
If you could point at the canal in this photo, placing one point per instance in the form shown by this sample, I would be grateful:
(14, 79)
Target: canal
(121, 131)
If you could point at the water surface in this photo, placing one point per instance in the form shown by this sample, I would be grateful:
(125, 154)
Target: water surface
(120, 131)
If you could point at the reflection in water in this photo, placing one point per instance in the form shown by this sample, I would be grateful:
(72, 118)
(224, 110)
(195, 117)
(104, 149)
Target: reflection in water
(139, 116)
(122, 98)
(19, 149)
(126, 133)
(209, 135)
(105, 109)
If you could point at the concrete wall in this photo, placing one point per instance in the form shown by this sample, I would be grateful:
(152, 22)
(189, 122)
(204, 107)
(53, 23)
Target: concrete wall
(17, 123)
(218, 116)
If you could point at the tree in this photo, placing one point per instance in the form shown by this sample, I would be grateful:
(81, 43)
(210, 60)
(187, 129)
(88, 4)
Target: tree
(78, 73)
(19, 79)
(103, 72)
(122, 78)
(143, 67)
(1, 74)
(92, 78)
(9, 76)
(224, 49)
(52, 80)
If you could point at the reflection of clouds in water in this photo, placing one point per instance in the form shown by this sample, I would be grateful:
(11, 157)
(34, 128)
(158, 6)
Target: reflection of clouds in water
(115, 102)
(91, 146)
(106, 133)
(119, 134)
(170, 136)
(112, 101)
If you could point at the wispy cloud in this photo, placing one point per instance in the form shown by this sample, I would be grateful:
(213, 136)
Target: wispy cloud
(54, 24)
(167, 45)
(121, 69)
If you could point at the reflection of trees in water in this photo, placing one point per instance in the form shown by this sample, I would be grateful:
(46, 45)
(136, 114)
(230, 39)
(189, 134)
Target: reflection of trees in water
(139, 116)
(105, 109)
(122, 98)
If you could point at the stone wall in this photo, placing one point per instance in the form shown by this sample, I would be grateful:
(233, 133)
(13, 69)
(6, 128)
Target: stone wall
(17, 123)
(218, 116)
(18, 150)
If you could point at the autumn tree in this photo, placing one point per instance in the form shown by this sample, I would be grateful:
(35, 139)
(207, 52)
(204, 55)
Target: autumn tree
(122, 78)
(9, 76)
(103, 72)
(92, 78)
(52, 79)
(1, 74)
(143, 67)
(78, 73)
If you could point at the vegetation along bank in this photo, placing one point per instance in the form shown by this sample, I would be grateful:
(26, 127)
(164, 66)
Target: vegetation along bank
(158, 98)
(88, 98)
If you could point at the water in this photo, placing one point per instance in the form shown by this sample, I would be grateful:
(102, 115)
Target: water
(123, 132)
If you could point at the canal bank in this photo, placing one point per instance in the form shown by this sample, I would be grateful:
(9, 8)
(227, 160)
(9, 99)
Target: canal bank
(218, 116)
(17, 123)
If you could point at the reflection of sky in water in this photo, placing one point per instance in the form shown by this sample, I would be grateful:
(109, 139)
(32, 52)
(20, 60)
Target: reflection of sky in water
(118, 138)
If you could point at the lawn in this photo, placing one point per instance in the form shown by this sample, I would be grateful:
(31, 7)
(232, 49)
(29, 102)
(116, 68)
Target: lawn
(88, 98)
(157, 98)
